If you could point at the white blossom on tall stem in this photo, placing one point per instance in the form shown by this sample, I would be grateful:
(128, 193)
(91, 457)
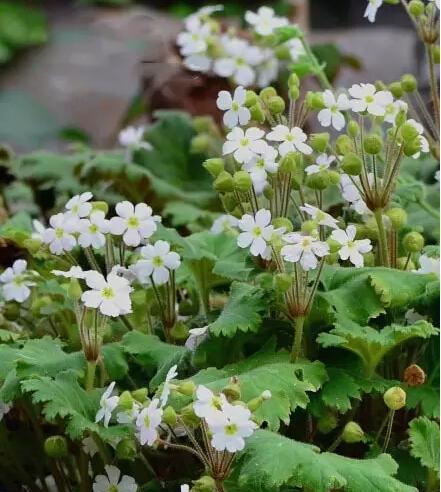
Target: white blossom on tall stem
(268, 69)
(244, 145)
(259, 166)
(264, 21)
(224, 223)
(303, 249)
(194, 39)
(292, 139)
(92, 230)
(207, 402)
(196, 337)
(112, 483)
(16, 282)
(352, 195)
(199, 62)
(133, 138)
(367, 98)
(323, 162)
(128, 416)
(79, 206)
(428, 265)
(59, 236)
(351, 248)
(74, 271)
(257, 231)
(147, 423)
(166, 387)
(372, 9)
(108, 403)
(134, 223)
(111, 296)
(332, 114)
(392, 110)
(322, 218)
(296, 49)
(235, 111)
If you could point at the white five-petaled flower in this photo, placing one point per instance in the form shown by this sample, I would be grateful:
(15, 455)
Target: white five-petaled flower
(260, 165)
(332, 113)
(296, 49)
(351, 249)
(112, 483)
(303, 249)
(366, 98)
(428, 265)
(133, 138)
(134, 223)
(185, 488)
(392, 110)
(16, 282)
(235, 111)
(74, 271)
(194, 39)
(111, 295)
(322, 218)
(79, 206)
(147, 422)
(244, 145)
(229, 427)
(207, 402)
(352, 195)
(265, 21)
(196, 337)
(256, 232)
(166, 388)
(224, 223)
(60, 236)
(128, 416)
(292, 139)
(92, 230)
(108, 403)
(268, 69)
(372, 9)
(424, 144)
(39, 228)
(323, 162)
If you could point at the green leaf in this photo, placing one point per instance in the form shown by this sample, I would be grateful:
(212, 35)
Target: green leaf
(183, 214)
(339, 389)
(270, 461)
(425, 442)
(425, 395)
(115, 361)
(8, 336)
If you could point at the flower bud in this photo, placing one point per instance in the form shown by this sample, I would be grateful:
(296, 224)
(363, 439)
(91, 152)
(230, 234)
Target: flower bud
(126, 400)
(232, 391)
(413, 242)
(414, 375)
(203, 124)
(126, 449)
(327, 423)
(408, 132)
(100, 207)
(343, 145)
(409, 83)
(169, 416)
(398, 217)
(257, 113)
(56, 447)
(268, 192)
(267, 93)
(254, 404)
(187, 388)
(318, 181)
(200, 144)
(179, 331)
(11, 311)
(380, 85)
(214, 166)
(242, 181)
(283, 222)
(334, 177)
(314, 100)
(293, 93)
(74, 291)
(416, 8)
(401, 118)
(282, 282)
(293, 80)
(352, 433)
(229, 202)
(402, 262)
(276, 105)
(351, 164)
(373, 144)
(353, 129)
(332, 259)
(396, 89)
(411, 148)
(189, 417)
(319, 142)
(140, 395)
(204, 484)
(289, 162)
(334, 246)
(224, 182)
(395, 398)
(251, 99)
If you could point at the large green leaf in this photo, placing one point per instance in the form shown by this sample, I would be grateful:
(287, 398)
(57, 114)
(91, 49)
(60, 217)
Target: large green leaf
(425, 442)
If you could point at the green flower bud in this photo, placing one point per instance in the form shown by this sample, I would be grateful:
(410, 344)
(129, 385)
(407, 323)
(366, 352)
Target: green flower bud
(309, 227)
(353, 129)
(282, 282)
(276, 105)
(395, 398)
(140, 395)
(203, 124)
(413, 242)
(380, 85)
(11, 311)
(319, 142)
(410, 148)
(352, 433)
(398, 217)
(334, 177)
(281, 51)
(408, 132)
(409, 83)
(396, 89)
(401, 118)
(351, 164)
(318, 181)
(257, 113)
(314, 100)
(126, 400)
(74, 291)
(126, 449)
(100, 207)
(416, 8)
(214, 166)
(373, 144)
(343, 145)
(189, 417)
(254, 404)
(327, 423)
(268, 192)
(232, 392)
(224, 182)
(56, 447)
(186, 388)
(403, 262)
(293, 80)
(200, 143)
(332, 258)
(229, 202)
(267, 93)
(242, 181)
(290, 162)
(334, 246)
(169, 416)
(179, 331)
(283, 222)
(251, 99)
(293, 93)
(204, 484)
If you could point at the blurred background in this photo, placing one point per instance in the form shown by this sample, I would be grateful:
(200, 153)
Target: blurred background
(82, 69)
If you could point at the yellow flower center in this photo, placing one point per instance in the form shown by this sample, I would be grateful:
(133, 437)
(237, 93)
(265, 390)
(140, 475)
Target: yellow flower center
(230, 429)
(257, 231)
(289, 137)
(235, 106)
(59, 232)
(133, 222)
(147, 421)
(113, 488)
(369, 99)
(244, 142)
(157, 261)
(93, 228)
(108, 293)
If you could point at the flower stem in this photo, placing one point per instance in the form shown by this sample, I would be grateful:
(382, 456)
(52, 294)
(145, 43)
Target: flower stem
(298, 336)
(320, 73)
(384, 254)
(90, 375)
(220, 486)
(389, 430)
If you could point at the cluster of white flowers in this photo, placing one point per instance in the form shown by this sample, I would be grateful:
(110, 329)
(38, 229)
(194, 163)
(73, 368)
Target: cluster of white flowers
(15, 282)
(374, 5)
(206, 48)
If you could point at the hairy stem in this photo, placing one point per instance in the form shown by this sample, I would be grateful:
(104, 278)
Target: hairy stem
(90, 375)
(389, 430)
(382, 239)
(298, 337)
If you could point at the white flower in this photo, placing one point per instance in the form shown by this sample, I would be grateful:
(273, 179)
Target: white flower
(351, 194)
(158, 262)
(392, 111)
(128, 416)
(323, 162)
(133, 138)
(207, 403)
(332, 114)
(424, 144)
(259, 166)
(92, 230)
(256, 232)
(147, 423)
(235, 111)
(194, 39)
(268, 69)
(4, 409)
(79, 205)
(244, 145)
(196, 337)
(39, 228)
(292, 139)
(59, 236)
(264, 21)
(108, 403)
(428, 265)
(224, 223)
(171, 374)
(89, 446)
(371, 9)
(198, 63)
(111, 295)
(229, 427)
(73, 272)
(366, 98)
(351, 249)
(16, 282)
(303, 249)
(204, 12)
(296, 49)
(134, 222)
(185, 488)
(322, 218)
(239, 61)
(111, 482)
